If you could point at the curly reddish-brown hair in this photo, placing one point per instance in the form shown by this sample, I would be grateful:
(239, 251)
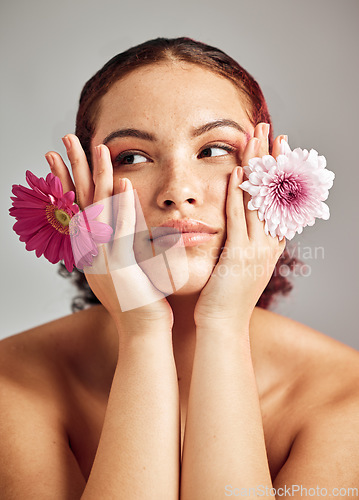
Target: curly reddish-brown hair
(167, 50)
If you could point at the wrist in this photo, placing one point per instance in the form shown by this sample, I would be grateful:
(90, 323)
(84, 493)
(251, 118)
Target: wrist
(151, 341)
(139, 327)
(235, 325)
(224, 329)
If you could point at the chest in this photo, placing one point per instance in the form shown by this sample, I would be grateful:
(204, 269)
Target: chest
(86, 419)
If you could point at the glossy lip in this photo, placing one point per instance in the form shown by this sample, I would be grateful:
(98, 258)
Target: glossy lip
(182, 240)
(181, 226)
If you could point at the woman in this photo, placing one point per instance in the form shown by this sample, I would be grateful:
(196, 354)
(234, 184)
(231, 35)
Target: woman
(200, 393)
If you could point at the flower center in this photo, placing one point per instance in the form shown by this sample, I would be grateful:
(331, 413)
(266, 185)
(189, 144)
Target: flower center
(59, 219)
(62, 217)
(287, 190)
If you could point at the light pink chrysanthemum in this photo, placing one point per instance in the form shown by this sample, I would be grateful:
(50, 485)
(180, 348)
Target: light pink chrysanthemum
(288, 191)
(43, 216)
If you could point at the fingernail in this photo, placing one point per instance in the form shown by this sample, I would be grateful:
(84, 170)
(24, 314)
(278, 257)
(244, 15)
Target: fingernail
(265, 129)
(122, 185)
(238, 173)
(50, 160)
(98, 152)
(126, 184)
(67, 143)
(283, 138)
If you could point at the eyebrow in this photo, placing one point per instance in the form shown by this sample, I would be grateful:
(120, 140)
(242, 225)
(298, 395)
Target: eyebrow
(195, 132)
(223, 122)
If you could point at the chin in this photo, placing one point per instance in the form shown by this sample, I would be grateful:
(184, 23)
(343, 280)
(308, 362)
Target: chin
(194, 285)
(178, 274)
(177, 270)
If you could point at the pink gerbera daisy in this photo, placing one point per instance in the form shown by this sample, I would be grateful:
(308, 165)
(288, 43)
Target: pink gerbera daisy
(288, 191)
(86, 234)
(43, 216)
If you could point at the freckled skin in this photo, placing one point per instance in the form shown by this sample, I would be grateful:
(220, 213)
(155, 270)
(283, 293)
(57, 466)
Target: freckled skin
(183, 96)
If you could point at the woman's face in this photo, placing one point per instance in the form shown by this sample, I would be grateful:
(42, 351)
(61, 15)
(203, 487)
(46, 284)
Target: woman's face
(179, 168)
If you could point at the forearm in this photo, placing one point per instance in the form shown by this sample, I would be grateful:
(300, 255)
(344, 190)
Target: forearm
(139, 451)
(224, 441)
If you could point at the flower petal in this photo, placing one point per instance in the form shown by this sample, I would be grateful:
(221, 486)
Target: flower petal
(24, 193)
(56, 187)
(69, 197)
(68, 256)
(288, 191)
(93, 211)
(38, 239)
(100, 232)
(22, 226)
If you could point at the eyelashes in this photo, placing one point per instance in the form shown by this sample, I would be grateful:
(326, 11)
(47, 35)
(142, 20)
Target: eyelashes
(127, 154)
(120, 159)
(226, 147)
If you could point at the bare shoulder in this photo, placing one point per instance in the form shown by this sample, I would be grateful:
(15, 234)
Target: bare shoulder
(50, 359)
(315, 360)
(35, 390)
(320, 376)
(33, 362)
(42, 349)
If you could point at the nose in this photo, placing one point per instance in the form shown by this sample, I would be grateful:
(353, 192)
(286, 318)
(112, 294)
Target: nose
(179, 189)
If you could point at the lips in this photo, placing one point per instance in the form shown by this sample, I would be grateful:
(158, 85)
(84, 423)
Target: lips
(181, 226)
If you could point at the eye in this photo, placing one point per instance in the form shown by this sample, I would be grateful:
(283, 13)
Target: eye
(206, 152)
(127, 158)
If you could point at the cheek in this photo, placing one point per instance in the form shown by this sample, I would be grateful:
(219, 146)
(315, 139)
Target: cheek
(137, 184)
(215, 193)
(144, 201)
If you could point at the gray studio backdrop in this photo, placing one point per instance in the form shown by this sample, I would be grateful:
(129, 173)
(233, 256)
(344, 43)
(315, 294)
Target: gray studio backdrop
(303, 54)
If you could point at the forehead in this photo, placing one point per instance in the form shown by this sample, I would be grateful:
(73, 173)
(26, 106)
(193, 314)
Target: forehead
(177, 93)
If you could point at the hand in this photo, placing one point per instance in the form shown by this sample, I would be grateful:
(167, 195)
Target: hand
(115, 277)
(249, 256)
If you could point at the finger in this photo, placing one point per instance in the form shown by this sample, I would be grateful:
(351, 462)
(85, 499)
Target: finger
(273, 248)
(103, 180)
(254, 225)
(101, 208)
(258, 149)
(80, 170)
(281, 245)
(276, 145)
(261, 132)
(255, 148)
(103, 173)
(61, 171)
(125, 209)
(130, 245)
(252, 150)
(237, 232)
(133, 286)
